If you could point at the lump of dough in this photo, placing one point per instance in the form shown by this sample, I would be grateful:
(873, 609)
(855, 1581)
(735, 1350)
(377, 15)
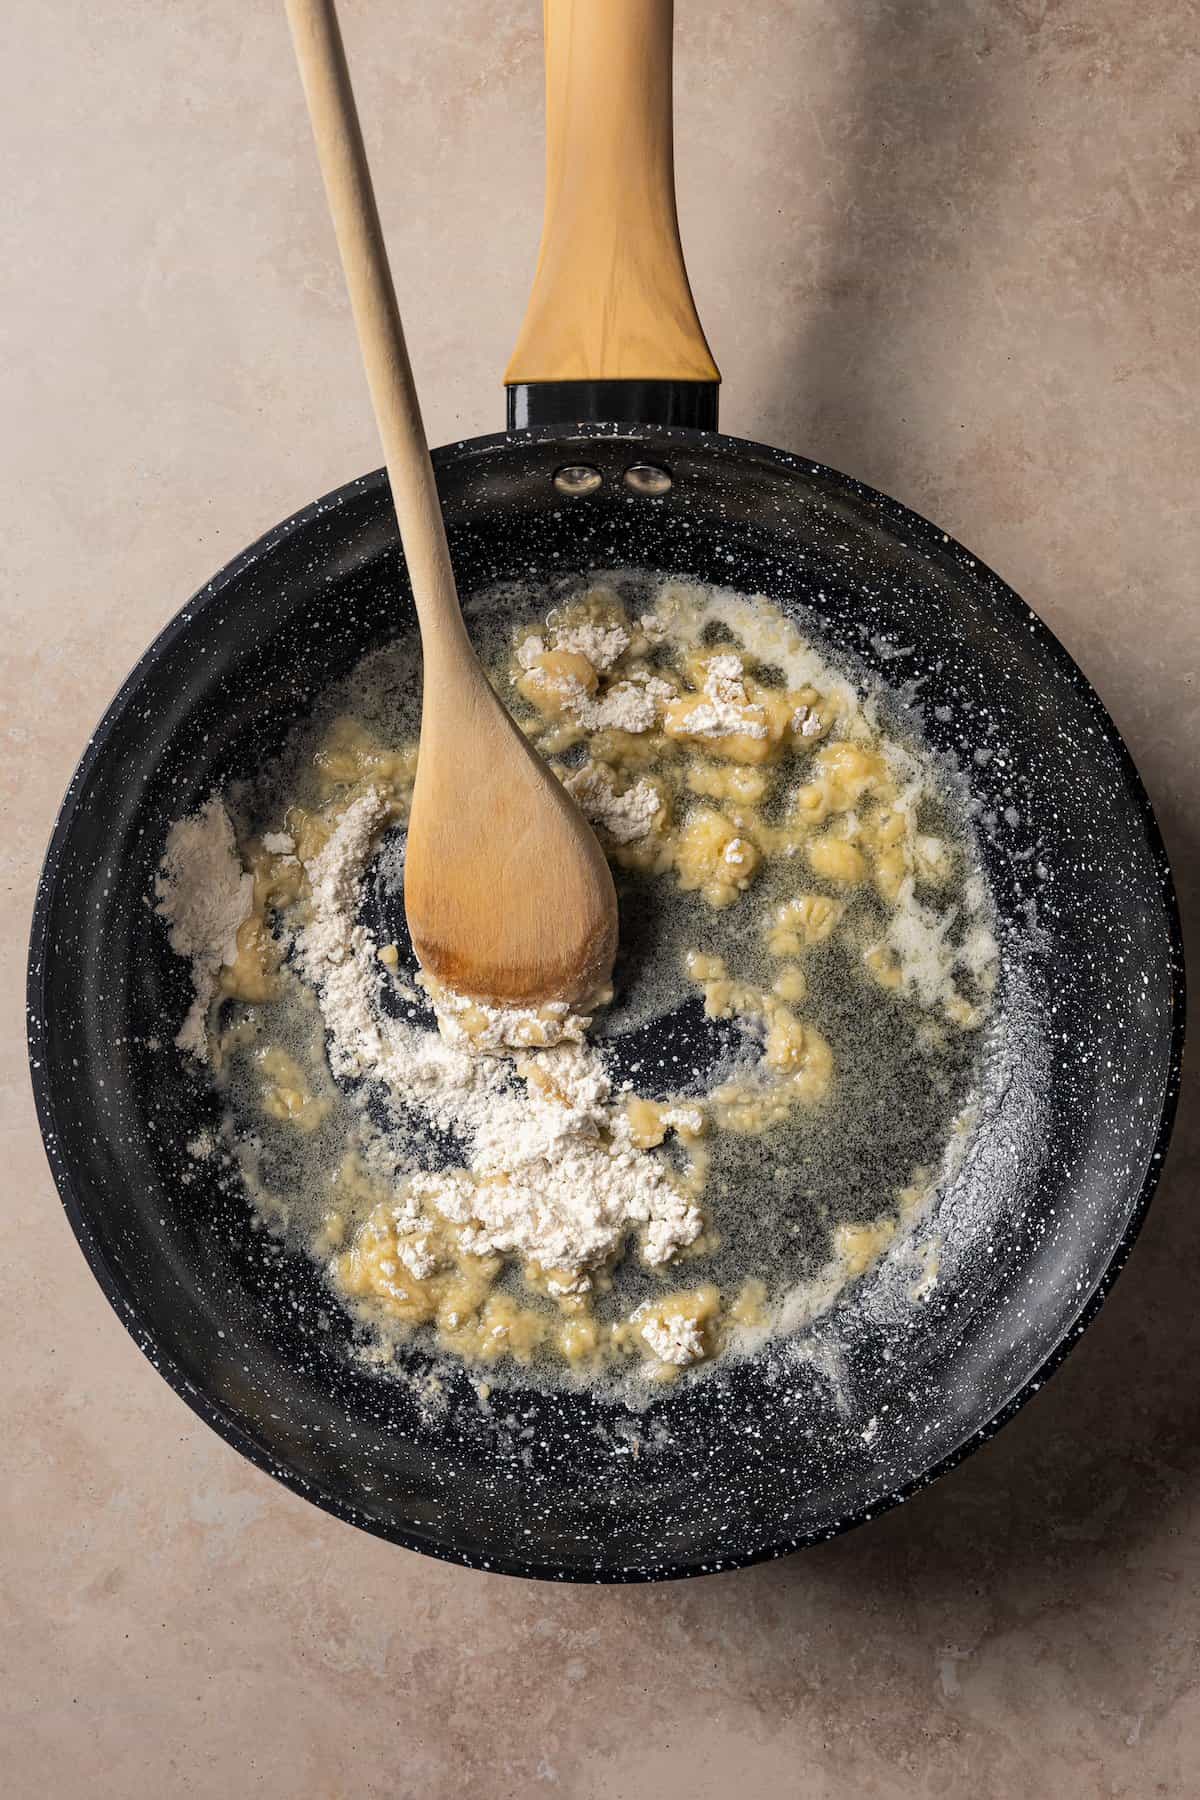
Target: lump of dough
(801, 923)
(837, 860)
(712, 856)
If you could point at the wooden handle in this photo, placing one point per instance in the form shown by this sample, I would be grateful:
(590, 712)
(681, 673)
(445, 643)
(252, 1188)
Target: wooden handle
(322, 59)
(610, 300)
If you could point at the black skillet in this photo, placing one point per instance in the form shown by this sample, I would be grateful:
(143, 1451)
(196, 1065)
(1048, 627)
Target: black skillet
(872, 1402)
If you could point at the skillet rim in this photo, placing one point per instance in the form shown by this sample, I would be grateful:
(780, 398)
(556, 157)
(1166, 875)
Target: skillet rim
(921, 534)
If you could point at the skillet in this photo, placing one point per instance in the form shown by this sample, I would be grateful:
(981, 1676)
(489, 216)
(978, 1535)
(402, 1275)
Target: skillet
(610, 462)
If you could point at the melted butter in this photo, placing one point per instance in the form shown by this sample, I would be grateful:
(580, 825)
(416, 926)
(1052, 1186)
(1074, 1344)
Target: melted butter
(286, 1095)
(763, 784)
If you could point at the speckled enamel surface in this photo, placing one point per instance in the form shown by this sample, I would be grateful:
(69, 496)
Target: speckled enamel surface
(950, 252)
(803, 1441)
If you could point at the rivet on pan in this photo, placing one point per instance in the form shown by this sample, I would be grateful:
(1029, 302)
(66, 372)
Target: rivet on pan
(576, 479)
(648, 478)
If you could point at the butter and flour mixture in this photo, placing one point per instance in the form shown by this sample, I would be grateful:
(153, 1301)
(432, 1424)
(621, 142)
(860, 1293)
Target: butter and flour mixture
(788, 1065)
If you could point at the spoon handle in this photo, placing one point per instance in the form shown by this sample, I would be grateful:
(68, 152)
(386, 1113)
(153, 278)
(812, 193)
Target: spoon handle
(610, 299)
(322, 58)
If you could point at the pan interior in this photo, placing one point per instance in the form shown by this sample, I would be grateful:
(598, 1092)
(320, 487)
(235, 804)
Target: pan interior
(761, 1455)
(783, 1193)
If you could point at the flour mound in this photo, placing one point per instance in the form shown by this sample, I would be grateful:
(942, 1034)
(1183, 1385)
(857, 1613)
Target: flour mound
(204, 895)
(551, 1173)
(624, 817)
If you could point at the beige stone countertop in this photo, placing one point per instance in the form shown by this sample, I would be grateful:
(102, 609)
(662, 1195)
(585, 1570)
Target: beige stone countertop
(951, 248)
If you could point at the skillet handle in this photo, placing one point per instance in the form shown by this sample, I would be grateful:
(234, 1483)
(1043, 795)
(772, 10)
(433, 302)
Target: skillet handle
(611, 321)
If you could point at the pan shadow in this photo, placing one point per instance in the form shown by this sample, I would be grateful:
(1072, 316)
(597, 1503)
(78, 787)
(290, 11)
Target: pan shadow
(1045, 1572)
(1100, 1465)
(879, 244)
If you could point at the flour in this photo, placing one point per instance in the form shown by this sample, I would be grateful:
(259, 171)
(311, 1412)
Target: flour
(653, 627)
(625, 817)
(556, 1181)
(682, 1118)
(718, 719)
(926, 954)
(725, 678)
(726, 706)
(204, 895)
(677, 1340)
(631, 705)
(603, 645)
(551, 1175)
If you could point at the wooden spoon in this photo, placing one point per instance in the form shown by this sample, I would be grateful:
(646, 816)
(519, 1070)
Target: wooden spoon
(507, 893)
